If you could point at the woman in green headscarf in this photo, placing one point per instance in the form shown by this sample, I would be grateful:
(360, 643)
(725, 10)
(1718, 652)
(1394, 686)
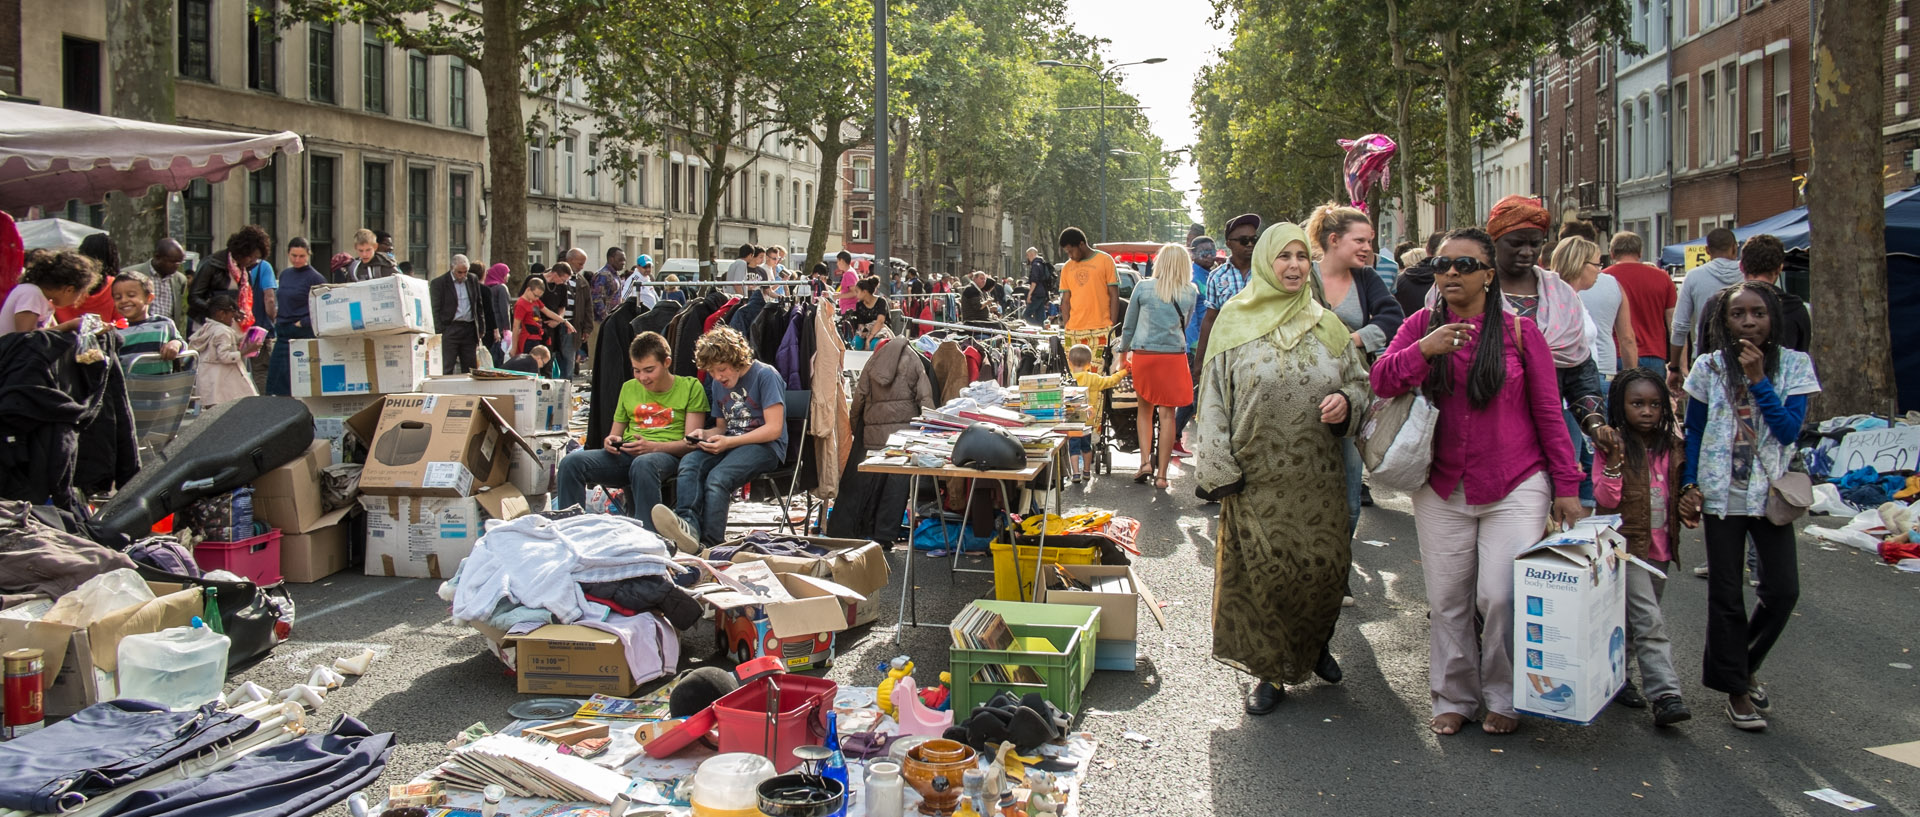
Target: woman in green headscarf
(1282, 384)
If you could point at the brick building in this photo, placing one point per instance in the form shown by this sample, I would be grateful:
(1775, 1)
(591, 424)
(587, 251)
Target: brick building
(1901, 121)
(1573, 131)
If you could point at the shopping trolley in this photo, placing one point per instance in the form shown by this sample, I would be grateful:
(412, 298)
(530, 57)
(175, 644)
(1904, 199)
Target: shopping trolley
(159, 398)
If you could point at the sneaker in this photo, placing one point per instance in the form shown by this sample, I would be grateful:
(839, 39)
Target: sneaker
(1346, 601)
(1366, 495)
(1701, 571)
(1629, 696)
(676, 528)
(1757, 692)
(1670, 710)
(1749, 723)
(1181, 451)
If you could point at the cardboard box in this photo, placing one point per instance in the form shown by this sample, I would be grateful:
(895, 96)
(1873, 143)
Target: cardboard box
(384, 364)
(1569, 632)
(856, 564)
(435, 444)
(426, 537)
(540, 404)
(1119, 612)
(796, 622)
(568, 659)
(288, 497)
(384, 306)
(74, 654)
(533, 471)
(319, 552)
(330, 416)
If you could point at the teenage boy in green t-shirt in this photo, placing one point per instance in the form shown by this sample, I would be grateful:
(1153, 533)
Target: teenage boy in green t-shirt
(648, 435)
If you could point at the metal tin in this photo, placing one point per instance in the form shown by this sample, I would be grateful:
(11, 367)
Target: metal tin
(24, 701)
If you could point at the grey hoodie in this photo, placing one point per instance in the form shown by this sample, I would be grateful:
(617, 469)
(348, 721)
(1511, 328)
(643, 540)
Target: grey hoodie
(1701, 283)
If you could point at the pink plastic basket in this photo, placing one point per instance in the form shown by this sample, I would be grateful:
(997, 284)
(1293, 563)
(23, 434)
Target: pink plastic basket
(256, 558)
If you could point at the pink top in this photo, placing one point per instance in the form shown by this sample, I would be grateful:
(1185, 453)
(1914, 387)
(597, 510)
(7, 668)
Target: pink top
(1606, 494)
(1490, 450)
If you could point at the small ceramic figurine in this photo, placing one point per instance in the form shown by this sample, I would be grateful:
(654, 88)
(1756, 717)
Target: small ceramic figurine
(1040, 802)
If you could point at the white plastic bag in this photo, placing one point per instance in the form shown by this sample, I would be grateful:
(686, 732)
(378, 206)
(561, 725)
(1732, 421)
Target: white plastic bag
(106, 593)
(1826, 500)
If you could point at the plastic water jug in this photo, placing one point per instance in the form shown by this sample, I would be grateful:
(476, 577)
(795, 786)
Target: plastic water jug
(179, 668)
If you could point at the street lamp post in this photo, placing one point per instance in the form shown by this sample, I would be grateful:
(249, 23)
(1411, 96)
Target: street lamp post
(1103, 74)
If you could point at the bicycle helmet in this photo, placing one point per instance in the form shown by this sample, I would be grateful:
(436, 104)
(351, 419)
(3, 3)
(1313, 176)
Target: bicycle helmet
(988, 447)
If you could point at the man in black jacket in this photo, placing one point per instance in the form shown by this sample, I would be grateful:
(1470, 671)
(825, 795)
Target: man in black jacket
(460, 315)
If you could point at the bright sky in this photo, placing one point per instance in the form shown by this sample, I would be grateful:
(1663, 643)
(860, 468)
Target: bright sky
(1174, 29)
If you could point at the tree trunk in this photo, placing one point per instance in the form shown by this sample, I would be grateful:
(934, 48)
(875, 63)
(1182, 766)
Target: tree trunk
(500, 72)
(717, 176)
(140, 49)
(1403, 123)
(1845, 212)
(826, 194)
(1460, 209)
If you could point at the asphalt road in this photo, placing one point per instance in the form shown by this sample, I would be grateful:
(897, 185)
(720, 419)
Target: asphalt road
(1358, 748)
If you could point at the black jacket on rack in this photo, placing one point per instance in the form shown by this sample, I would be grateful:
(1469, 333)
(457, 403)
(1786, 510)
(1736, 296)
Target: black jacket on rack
(610, 369)
(657, 319)
(768, 330)
(692, 326)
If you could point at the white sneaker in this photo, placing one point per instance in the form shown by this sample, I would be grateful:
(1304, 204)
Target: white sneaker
(676, 528)
(1701, 571)
(1346, 601)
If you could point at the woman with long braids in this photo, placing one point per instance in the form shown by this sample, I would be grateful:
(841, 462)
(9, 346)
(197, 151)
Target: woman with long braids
(1502, 461)
(1746, 400)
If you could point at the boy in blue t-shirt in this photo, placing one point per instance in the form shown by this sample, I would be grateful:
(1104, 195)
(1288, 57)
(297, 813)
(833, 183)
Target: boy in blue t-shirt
(648, 436)
(749, 399)
(144, 333)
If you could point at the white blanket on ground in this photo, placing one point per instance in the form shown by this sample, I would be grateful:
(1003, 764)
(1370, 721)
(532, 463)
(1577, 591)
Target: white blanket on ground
(541, 562)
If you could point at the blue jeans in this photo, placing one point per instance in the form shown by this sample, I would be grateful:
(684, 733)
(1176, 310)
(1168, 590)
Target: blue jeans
(1658, 365)
(644, 475)
(280, 364)
(707, 483)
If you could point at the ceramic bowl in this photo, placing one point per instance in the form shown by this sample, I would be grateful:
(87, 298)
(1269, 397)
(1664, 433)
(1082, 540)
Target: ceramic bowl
(938, 781)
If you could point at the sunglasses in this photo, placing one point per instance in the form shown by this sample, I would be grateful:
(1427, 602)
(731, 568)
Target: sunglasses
(1244, 242)
(1461, 265)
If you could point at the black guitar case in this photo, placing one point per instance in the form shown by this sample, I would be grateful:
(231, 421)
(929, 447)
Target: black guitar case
(227, 447)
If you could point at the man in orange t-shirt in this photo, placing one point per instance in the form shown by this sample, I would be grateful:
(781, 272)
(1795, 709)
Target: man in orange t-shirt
(1089, 291)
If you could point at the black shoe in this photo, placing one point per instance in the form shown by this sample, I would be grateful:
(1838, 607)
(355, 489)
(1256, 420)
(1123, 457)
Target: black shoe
(1265, 698)
(1629, 696)
(1669, 710)
(1366, 496)
(1327, 668)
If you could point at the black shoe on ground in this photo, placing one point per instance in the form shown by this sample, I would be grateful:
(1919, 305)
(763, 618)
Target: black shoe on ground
(1366, 496)
(1670, 710)
(1629, 696)
(1264, 698)
(1327, 668)
(1757, 692)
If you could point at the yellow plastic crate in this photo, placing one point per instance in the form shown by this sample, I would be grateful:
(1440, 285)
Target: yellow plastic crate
(1013, 573)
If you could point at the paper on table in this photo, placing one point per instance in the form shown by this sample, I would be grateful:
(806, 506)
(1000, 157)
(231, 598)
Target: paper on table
(1908, 753)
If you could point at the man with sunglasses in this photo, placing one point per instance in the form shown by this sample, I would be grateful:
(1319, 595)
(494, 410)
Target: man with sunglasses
(1227, 281)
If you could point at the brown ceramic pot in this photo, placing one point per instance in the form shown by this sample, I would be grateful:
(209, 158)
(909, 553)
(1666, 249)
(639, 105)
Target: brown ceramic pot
(933, 769)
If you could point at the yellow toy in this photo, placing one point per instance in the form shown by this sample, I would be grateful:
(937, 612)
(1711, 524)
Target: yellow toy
(900, 667)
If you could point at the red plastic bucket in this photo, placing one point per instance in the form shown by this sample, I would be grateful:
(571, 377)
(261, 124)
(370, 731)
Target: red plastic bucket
(773, 716)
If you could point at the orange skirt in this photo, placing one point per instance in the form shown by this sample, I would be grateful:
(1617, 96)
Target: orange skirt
(1162, 378)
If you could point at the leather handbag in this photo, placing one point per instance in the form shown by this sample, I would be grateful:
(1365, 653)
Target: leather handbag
(1788, 497)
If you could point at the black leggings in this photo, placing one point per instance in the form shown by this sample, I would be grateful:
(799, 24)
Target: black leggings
(1738, 643)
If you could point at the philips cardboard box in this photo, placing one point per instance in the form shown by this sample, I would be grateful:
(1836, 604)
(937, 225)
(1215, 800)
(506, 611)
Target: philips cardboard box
(426, 537)
(540, 404)
(445, 445)
(383, 364)
(533, 471)
(858, 565)
(788, 615)
(1570, 627)
(393, 305)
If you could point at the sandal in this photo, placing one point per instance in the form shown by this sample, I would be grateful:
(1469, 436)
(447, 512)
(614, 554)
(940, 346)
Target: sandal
(1162, 483)
(1143, 475)
(1448, 724)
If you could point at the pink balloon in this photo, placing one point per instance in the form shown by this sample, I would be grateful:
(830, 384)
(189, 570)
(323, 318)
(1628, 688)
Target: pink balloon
(1367, 165)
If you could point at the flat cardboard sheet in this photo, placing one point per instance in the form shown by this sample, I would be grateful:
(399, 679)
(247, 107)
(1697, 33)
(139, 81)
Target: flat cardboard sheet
(1908, 753)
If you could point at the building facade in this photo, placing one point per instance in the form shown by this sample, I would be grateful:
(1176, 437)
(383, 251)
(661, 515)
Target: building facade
(394, 139)
(1901, 123)
(1573, 130)
(1641, 126)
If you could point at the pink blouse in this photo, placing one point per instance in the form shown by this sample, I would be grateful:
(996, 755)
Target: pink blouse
(1489, 451)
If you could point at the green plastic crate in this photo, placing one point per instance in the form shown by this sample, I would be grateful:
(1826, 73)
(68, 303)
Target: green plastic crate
(1060, 615)
(1064, 672)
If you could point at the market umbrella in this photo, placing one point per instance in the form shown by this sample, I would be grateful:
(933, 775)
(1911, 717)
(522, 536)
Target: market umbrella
(50, 155)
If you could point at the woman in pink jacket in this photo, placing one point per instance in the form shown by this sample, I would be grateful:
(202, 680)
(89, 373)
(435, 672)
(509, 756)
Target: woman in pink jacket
(1502, 460)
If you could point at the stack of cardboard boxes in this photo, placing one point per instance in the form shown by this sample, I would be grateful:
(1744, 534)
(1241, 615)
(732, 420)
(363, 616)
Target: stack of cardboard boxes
(313, 540)
(436, 470)
(541, 409)
(375, 338)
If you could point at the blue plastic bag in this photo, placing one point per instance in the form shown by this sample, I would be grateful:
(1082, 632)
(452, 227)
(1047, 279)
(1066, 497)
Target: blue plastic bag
(927, 536)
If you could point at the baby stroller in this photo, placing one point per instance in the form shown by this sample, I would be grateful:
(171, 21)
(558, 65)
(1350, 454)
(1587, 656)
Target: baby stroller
(159, 400)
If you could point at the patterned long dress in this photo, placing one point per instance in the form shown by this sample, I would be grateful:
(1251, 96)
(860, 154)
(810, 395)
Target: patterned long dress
(1282, 552)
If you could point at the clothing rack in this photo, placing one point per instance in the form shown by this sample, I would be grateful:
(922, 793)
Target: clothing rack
(1008, 376)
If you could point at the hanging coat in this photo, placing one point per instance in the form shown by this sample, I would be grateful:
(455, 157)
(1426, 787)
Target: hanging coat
(610, 370)
(830, 423)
